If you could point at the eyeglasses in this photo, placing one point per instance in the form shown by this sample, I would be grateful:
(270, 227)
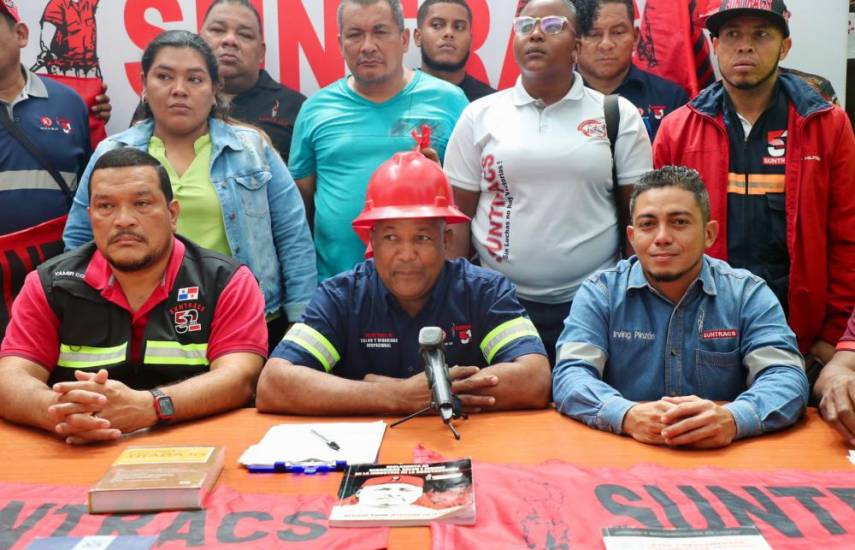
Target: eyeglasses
(551, 24)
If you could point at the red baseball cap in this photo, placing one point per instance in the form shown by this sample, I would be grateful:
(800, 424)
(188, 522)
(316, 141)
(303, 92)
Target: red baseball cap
(8, 6)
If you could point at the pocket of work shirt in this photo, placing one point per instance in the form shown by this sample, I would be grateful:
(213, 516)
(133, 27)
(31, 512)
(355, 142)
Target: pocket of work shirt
(720, 374)
(252, 191)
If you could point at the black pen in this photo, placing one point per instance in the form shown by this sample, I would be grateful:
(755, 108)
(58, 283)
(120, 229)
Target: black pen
(331, 444)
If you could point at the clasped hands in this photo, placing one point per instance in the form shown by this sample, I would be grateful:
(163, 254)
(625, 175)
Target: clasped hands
(685, 421)
(470, 384)
(95, 408)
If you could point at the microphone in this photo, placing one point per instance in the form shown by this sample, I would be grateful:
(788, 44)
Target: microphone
(433, 355)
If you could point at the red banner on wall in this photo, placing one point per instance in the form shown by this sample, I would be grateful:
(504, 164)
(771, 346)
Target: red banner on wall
(231, 520)
(557, 505)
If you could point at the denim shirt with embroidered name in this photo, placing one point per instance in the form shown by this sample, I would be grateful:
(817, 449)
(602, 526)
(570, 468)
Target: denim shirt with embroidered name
(726, 340)
(262, 210)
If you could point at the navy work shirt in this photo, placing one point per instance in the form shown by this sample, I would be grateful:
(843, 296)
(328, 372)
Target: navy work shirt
(354, 325)
(654, 96)
(756, 215)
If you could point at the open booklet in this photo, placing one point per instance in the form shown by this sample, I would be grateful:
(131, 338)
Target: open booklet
(286, 446)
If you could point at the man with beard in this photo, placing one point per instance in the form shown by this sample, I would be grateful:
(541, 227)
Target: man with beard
(654, 345)
(346, 130)
(444, 34)
(779, 163)
(135, 329)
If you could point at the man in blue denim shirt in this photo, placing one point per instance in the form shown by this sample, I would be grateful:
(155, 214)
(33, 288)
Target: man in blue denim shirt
(652, 344)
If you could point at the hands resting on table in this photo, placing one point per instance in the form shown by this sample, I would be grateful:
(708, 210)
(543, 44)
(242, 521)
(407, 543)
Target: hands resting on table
(685, 421)
(96, 408)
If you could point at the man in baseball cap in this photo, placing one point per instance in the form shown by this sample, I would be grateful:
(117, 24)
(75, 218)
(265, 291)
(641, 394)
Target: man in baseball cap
(779, 163)
(356, 350)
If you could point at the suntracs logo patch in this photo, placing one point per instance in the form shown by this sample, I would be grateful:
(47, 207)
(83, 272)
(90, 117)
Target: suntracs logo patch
(777, 148)
(719, 334)
(658, 111)
(187, 320)
(463, 333)
(593, 128)
(55, 124)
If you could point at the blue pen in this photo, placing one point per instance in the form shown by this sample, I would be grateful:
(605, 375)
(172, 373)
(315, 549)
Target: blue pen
(305, 467)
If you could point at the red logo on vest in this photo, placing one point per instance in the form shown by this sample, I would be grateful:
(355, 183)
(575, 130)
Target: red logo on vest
(47, 122)
(187, 321)
(658, 111)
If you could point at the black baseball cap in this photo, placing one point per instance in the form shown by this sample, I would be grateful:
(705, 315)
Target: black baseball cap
(772, 10)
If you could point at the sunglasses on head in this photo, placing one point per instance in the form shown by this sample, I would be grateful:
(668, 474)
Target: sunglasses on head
(551, 24)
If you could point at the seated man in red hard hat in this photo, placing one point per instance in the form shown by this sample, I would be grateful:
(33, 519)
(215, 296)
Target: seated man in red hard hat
(356, 350)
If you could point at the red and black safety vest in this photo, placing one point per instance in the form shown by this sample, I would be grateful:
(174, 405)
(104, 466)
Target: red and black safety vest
(96, 333)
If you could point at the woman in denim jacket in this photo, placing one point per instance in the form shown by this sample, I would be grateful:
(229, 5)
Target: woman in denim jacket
(237, 196)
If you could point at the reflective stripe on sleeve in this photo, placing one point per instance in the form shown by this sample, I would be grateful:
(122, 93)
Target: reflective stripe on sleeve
(160, 352)
(315, 343)
(81, 357)
(505, 333)
(769, 356)
(582, 351)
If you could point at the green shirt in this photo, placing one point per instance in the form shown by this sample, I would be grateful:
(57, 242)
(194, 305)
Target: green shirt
(201, 216)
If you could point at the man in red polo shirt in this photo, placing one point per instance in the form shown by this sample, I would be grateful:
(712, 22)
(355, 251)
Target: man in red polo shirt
(138, 327)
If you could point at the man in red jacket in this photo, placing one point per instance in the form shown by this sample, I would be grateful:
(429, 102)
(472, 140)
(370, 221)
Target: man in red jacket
(779, 163)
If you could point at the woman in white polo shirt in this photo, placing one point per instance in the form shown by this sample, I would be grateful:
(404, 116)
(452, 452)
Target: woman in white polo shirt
(532, 166)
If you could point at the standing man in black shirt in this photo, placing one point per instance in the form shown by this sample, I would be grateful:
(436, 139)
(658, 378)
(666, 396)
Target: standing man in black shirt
(233, 30)
(605, 61)
(444, 34)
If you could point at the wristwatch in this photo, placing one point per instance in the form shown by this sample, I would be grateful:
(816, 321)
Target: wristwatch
(163, 406)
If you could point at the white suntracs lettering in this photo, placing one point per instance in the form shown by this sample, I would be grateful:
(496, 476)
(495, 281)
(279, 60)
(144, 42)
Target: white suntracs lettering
(769, 356)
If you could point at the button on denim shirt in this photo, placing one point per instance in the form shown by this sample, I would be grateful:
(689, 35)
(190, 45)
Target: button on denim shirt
(262, 210)
(726, 340)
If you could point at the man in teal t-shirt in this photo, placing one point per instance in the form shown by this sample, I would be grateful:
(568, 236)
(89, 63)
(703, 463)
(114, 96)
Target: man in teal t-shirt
(345, 131)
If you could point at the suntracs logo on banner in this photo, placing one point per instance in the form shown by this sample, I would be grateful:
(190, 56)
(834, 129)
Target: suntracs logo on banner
(188, 293)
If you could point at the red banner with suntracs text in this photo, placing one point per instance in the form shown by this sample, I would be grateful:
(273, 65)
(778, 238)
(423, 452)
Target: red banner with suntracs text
(231, 520)
(561, 506)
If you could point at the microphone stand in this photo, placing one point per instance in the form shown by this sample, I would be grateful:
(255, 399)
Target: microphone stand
(456, 413)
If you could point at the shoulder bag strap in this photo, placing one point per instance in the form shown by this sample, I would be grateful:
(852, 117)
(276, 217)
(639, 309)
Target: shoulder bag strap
(34, 151)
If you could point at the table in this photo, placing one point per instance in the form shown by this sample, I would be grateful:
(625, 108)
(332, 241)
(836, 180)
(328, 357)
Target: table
(523, 437)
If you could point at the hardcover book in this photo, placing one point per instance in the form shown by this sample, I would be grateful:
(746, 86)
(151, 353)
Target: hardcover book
(157, 478)
(405, 495)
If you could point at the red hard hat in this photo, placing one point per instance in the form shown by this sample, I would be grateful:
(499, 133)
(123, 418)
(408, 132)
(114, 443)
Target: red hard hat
(409, 185)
